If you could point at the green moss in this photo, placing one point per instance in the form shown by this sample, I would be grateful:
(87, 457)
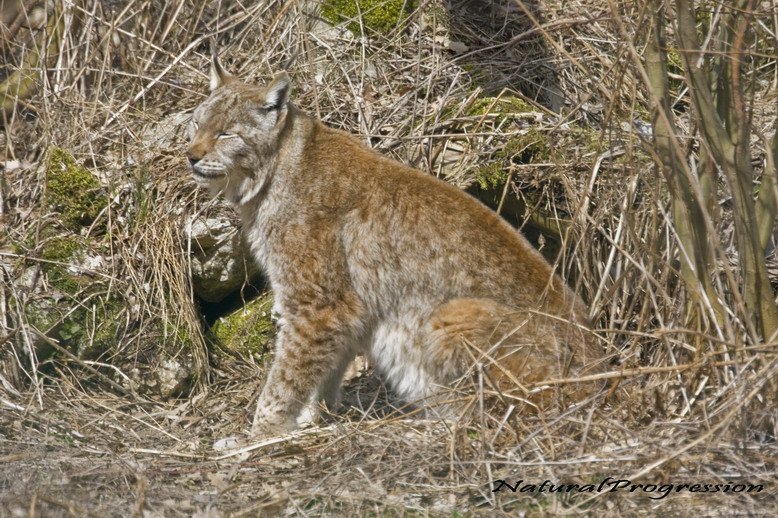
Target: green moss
(532, 146)
(380, 16)
(590, 139)
(674, 62)
(87, 332)
(503, 107)
(62, 249)
(529, 147)
(72, 191)
(500, 107)
(45, 315)
(75, 310)
(704, 17)
(248, 330)
(491, 175)
(107, 325)
(676, 69)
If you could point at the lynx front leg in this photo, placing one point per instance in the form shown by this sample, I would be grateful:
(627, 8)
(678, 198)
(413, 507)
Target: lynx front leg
(328, 392)
(309, 351)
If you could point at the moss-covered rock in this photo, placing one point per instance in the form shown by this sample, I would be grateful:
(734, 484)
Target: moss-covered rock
(494, 109)
(531, 146)
(86, 331)
(503, 107)
(100, 326)
(491, 175)
(379, 16)
(80, 292)
(72, 190)
(71, 306)
(249, 330)
(58, 252)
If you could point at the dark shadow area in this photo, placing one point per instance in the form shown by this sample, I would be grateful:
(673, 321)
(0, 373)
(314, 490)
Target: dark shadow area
(514, 211)
(505, 49)
(212, 311)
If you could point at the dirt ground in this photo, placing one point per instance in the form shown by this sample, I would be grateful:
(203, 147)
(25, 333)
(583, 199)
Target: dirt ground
(82, 452)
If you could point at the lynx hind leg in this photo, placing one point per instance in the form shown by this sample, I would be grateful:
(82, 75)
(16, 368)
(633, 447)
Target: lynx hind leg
(517, 349)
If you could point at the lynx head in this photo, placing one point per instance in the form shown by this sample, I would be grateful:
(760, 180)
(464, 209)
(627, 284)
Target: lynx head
(235, 134)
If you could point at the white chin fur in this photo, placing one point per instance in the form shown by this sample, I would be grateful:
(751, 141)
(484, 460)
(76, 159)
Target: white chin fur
(203, 181)
(215, 185)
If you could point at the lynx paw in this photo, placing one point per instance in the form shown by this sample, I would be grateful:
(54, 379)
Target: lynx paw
(270, 426)
(309, 416)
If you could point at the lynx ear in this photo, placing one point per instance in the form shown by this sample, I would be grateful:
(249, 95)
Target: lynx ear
(277, 92)
(219, 77)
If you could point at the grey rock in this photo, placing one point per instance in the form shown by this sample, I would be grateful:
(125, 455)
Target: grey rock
(221, 264)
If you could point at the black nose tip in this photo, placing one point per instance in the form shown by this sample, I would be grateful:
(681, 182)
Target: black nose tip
(192, 159)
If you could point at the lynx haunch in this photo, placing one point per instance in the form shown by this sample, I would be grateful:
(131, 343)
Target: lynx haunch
(366, 255)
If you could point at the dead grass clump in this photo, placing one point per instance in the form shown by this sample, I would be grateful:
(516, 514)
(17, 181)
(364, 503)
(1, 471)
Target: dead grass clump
(541, 90)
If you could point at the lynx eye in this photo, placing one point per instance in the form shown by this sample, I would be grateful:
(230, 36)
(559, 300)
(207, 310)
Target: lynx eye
(225, 135)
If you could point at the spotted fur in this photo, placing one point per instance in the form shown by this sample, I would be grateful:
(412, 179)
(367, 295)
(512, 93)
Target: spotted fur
(366, 255)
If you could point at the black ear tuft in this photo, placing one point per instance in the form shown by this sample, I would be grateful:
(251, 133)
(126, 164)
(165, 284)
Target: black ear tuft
(277, 92)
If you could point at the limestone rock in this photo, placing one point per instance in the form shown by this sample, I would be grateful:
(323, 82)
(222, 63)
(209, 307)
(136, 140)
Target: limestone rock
(221, 263)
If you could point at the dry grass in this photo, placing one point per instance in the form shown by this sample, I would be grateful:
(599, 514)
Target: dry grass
(689, 403)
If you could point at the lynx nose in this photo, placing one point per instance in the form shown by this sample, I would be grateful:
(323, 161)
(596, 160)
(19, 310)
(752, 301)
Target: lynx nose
(192, 158)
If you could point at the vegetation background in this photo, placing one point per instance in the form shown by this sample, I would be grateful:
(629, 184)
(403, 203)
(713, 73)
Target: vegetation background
(633, 142)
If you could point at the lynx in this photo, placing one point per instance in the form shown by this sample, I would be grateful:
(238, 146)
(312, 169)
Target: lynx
(368, 256)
